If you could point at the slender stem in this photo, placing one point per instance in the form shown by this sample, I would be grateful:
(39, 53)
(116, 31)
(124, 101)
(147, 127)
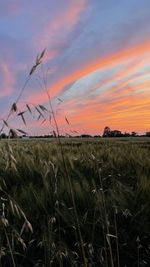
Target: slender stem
(17, 100)
(66, 172)
(117, 245)
(106, 219)
(11, 253)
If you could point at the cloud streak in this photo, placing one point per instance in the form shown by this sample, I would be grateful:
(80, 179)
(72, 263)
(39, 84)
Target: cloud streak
(7, 80)
(97, 60)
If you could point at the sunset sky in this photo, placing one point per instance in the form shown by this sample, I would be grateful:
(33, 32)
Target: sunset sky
(97, 62)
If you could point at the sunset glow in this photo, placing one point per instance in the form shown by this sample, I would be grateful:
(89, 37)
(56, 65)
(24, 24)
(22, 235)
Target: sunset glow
(97, 62)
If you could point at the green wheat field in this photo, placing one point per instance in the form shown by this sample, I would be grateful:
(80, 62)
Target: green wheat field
(75, 202)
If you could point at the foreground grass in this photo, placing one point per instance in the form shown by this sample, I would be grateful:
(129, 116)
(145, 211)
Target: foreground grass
(109, 223)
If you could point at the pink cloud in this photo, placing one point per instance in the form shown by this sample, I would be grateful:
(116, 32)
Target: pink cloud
(7, 80)
(63, 24)
(101, 63)
(9, 7)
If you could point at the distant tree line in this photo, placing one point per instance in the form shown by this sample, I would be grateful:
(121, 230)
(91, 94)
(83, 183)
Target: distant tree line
(107, 132)
(117, 133)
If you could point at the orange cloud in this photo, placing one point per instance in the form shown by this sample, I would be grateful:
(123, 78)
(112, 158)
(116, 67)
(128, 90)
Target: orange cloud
(126, 114)
(123, 111)
(111, 60)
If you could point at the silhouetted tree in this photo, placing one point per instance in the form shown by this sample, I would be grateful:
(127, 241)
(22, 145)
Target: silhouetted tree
(115, 133)
(85, 135)
(133, 134)
(126, 134)
(106, 132)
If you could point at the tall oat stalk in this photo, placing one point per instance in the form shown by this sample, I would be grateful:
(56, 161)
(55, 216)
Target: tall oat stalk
(65, 168)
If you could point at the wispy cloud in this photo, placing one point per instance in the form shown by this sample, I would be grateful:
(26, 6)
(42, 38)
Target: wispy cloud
(100, 64)
(97, 59)
(7, 80)
(56, 32)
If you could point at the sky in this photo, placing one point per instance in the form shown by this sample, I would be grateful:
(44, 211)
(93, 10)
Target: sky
(96, 65)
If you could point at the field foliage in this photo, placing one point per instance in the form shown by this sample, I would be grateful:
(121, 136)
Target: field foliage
(89, 207)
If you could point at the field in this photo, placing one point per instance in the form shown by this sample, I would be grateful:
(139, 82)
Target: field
(77, 202)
